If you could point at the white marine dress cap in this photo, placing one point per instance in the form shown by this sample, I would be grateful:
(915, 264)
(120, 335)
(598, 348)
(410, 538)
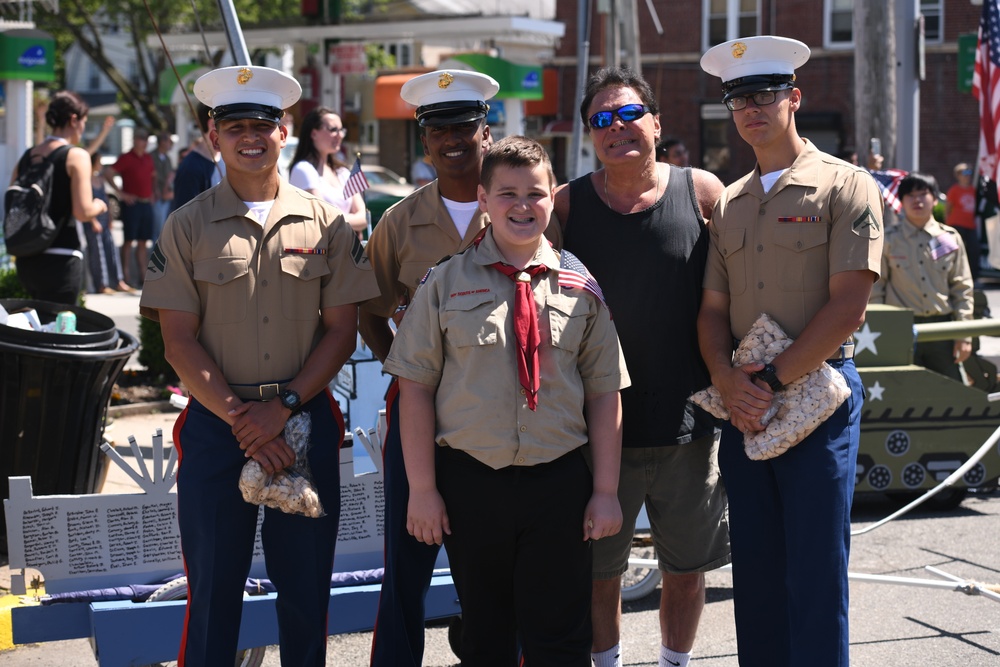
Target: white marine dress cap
(755, 64)
(448, 97)
(247, 91)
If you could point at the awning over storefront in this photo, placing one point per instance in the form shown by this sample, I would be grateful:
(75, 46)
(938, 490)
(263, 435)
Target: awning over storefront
(388, 104)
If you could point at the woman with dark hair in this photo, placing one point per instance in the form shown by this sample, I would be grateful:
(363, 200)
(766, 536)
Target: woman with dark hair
(57, 274)
(316, 169)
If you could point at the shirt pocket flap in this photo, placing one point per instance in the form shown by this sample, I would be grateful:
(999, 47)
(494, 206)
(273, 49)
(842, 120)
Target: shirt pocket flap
(566, 305)
(305, 267)
(800, 236)
(732, 241)
(471, 301)
(220, 270)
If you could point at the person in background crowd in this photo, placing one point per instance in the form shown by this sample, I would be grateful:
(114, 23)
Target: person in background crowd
(673, 151)
(163, 181)
(638, 222)
(924, 268)
(800, 239)
(102, 253)
(316, 168)
(136, 169)
(57, 274)
(247, 381)
(423, 171)
(198, 170)
(960, 213)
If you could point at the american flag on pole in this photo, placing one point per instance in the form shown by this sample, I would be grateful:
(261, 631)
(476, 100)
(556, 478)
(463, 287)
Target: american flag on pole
(573, 274)
(888, 182)
(356, 182)
(986, 87)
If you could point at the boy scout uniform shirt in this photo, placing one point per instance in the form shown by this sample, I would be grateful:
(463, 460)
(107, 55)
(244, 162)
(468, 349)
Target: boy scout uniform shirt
(913, 278)
(257, 290)
(458, 336)
(774, 253)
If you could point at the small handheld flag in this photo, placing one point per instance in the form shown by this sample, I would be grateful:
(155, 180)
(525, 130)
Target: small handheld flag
(356, 182)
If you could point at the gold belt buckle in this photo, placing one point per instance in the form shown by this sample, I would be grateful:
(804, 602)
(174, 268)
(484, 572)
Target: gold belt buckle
(269, 391)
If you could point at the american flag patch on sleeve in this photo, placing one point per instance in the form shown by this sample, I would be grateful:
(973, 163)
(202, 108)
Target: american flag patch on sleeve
(573, 274)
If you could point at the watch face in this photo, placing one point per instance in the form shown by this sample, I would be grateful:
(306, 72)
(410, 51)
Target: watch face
(290, 399)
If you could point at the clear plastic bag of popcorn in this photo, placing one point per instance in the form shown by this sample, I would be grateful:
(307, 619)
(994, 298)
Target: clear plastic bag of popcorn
(797, 410)
(290, 490)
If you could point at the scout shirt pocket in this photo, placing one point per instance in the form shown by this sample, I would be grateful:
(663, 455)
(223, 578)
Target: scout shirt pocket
(226, 287)
(735, 258)
(802, 256)
(471, 319)
(301, 285)
(567, 321)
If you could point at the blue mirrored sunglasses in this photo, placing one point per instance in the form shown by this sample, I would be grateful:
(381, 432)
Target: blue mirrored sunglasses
(627, 114)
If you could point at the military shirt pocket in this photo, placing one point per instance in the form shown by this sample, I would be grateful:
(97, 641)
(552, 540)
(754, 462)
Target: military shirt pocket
(301, 285)
(567, 321)
(471, 319)
(735, 256)
(226, 285)
(802, 256)
(411, 273)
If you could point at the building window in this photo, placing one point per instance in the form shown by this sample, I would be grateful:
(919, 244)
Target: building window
(730, 19)
(715, 123)
(933, 11)
(838, 27)
(93, 77)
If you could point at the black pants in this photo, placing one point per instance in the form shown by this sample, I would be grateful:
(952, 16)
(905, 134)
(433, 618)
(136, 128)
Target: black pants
(55, 278)
(518, 558)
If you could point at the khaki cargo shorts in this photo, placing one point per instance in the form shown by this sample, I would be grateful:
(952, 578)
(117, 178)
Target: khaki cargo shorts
(685, 502)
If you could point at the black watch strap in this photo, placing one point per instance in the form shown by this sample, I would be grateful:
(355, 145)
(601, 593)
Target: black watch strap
(769, 375)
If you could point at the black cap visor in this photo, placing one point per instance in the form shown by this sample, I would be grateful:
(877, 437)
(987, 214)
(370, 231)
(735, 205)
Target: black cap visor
(247, 110)
(451, 113)
(756, 83)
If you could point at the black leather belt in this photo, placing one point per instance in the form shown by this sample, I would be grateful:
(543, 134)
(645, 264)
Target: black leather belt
(258, 392)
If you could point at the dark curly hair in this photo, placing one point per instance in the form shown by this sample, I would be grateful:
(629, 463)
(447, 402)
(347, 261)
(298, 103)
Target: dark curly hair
(63, 106)
(617, 77)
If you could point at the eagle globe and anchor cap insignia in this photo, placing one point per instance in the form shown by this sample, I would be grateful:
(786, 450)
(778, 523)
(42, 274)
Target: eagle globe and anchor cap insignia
(243, 76)
(445, 80)
(739, 48)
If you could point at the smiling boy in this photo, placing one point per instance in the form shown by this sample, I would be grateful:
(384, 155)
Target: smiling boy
(508, 363)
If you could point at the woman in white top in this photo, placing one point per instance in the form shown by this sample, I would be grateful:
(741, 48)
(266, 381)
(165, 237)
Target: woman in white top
(316, 169)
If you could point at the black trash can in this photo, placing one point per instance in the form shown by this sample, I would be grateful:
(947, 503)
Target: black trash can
(54, 394)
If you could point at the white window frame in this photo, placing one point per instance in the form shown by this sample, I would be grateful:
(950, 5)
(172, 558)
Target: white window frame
(733, 15)
(940, 16)
(828, 28)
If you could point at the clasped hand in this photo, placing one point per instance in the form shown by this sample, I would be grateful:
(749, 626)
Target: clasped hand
(259, 426)
(746, 400)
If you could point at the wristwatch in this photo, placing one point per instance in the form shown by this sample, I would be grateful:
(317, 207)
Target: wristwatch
(769, 375)
(291, 400)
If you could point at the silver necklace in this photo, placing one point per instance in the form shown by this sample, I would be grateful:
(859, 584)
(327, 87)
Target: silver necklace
(607, 198)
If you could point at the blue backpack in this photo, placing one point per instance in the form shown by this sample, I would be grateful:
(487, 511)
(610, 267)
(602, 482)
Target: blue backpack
(27, 226)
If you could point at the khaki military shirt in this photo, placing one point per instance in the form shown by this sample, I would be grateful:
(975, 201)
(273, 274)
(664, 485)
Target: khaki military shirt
(411, 237)
(458, 335)
(257, 291)
(926, 270)
(774, 253)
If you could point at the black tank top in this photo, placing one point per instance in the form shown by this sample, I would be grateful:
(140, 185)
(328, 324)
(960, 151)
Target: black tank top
(650, 266)
(61, 201)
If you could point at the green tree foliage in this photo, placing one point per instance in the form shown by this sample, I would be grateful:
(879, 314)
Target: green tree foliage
(87, 22)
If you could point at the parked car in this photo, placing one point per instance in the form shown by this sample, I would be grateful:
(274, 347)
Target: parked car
(386, 187)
